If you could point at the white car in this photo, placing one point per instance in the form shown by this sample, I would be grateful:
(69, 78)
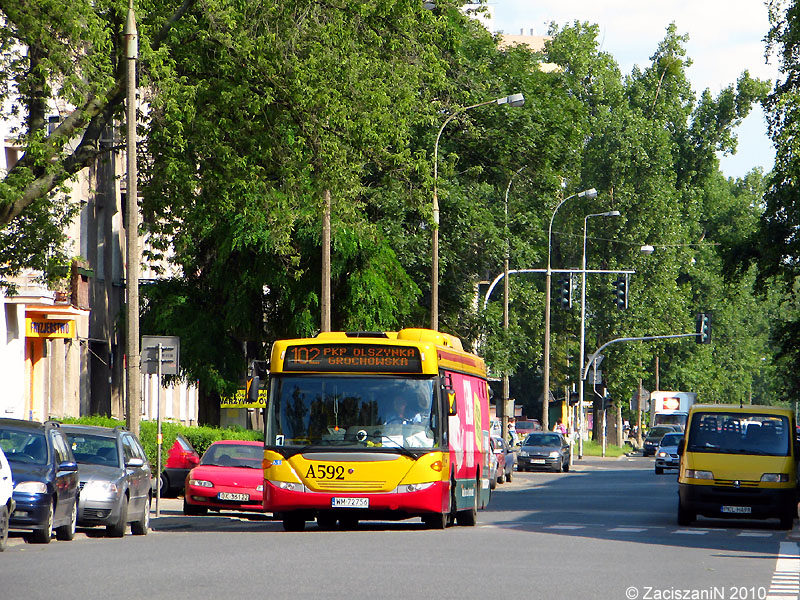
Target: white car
(6, 501)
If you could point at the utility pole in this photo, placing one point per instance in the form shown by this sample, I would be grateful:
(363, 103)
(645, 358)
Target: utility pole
(132, 238)
(325, 300)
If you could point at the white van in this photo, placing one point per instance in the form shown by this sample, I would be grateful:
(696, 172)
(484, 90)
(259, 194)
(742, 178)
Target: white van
(6, 501)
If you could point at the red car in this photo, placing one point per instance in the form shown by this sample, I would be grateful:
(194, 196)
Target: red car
(229, 477)
(181, 459)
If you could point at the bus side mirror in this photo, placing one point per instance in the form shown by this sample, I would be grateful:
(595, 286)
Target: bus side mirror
(451, 401)
(681, 447)
(253, 386)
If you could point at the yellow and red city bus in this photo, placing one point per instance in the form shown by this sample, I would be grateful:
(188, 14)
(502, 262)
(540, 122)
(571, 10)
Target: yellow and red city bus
(337, 451)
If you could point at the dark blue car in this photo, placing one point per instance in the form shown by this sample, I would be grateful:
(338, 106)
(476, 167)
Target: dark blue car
(45, 478)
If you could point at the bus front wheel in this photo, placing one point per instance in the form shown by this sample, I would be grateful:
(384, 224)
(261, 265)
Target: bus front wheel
(294, 522)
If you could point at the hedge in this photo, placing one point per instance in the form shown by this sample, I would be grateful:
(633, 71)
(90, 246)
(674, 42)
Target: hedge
(199, 437)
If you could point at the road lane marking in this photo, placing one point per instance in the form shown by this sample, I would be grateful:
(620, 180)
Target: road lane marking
(566, 527)
(691, 531)
(761, 534)
(629, 529)
(785, 582)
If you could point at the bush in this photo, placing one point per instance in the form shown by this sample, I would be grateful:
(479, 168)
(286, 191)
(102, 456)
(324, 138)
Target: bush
(199, 437)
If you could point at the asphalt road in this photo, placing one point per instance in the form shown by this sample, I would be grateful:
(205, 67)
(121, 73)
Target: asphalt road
(606, 529)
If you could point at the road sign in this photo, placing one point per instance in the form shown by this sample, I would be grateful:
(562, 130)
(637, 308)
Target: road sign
(170, 354)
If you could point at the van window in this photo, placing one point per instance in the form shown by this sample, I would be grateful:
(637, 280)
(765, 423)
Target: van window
(739, 433)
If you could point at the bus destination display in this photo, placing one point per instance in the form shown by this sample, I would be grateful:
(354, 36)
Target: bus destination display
(353, 357)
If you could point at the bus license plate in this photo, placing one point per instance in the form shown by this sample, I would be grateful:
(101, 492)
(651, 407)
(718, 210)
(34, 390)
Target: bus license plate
(237, 497)
(349, 502)
(738, 510)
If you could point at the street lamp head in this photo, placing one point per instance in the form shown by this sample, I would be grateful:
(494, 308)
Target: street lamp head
(591, 194)
(512, 100)
(647, 249)
(613, 213)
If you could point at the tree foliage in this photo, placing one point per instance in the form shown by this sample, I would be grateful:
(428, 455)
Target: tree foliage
(256, 111)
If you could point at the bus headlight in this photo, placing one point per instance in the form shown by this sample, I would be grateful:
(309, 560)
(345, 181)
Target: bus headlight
(413, 487)
(775, 477)
(694, 474)
(289, 486)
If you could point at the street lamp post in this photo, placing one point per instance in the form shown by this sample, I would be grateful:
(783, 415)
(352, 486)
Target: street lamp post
(590, 193)
(512, 100)
(504, 418)
(613, 213)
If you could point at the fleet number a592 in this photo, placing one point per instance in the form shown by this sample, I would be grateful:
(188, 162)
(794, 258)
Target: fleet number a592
(325, 472)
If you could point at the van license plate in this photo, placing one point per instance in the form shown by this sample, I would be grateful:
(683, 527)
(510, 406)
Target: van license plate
(349, 502)
(738, 510)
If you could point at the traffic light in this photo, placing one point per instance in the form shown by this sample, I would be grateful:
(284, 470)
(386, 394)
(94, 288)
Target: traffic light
(703, 328)
(565, 292)
(621, 293)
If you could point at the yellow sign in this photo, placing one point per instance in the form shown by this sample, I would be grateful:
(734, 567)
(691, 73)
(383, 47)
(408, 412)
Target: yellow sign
(46, 328)
(240, 400)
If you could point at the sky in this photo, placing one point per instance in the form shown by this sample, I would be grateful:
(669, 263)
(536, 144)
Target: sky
(725, 38)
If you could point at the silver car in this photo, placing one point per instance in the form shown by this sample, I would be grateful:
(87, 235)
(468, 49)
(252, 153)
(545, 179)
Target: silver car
(667, 452)
(115, 479)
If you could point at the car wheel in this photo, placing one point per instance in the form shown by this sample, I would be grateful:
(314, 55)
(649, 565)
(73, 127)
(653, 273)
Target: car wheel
(659, 470)
(193, 511)
(117, 529)
(163, 485)
(65, 533)
(4, 517)
(43, 535)
(566, 466)
(142, 526)
(492, 483)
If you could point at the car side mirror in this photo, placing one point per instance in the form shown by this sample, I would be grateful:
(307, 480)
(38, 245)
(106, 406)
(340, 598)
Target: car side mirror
(681, 447)
(68, 466)
(135, 463)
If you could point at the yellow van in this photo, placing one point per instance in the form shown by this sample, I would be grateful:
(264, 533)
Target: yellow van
(738, 462)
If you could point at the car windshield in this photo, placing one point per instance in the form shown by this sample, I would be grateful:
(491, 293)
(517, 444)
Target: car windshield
(739, 433)
(94, 449)
(671, 439)
(542, 439)
(234, 455)
(24, 446)
(375, 412)
(658, 432)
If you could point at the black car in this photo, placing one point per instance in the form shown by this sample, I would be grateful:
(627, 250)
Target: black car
(653, 438)
(45, 477)
(544, 450)
(115, 479)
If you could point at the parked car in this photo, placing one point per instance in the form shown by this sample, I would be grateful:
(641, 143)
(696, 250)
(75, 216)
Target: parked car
(653, 438)
(505, 457)
(45, 478)
(181, 459)
(544, 450)
(523, 428)
(496, 446)
(115, 479)
(6, 499)
(494, 466)
(229, 477)
(667, 452)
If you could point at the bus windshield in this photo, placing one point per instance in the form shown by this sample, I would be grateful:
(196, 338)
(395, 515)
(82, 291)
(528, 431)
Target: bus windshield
(739, 433)
(352, 411)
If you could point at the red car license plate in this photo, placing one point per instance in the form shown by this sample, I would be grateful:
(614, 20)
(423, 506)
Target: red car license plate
(237, 497)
